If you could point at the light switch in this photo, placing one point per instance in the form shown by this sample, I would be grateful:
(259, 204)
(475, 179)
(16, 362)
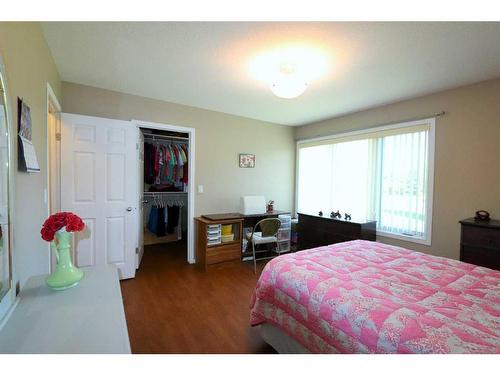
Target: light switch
(200, 189)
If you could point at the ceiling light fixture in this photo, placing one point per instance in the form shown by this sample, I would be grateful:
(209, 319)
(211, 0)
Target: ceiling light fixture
(288, 84)
(289, 69)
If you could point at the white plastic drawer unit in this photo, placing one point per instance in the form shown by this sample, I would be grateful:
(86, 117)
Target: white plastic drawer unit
(286, 225)
(283, 235)
(285, 218)
(214, 234)
(283, 247)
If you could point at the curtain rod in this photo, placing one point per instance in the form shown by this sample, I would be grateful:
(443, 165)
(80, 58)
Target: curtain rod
(437, 114)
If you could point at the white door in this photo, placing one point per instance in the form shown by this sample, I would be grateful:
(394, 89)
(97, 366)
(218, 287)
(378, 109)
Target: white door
(140, 195)
(98, 183)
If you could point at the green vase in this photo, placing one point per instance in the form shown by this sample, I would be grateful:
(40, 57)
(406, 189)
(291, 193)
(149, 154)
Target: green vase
(66, 275)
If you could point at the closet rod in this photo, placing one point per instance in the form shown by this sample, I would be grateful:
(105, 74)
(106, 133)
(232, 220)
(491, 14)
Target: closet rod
(164, 192)
(154, 136)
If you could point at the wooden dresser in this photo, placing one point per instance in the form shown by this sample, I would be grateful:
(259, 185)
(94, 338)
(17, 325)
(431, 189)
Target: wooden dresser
(315, 230)
(480, 243)
(210, 251)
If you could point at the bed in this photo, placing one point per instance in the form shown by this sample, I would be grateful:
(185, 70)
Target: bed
(368, 297)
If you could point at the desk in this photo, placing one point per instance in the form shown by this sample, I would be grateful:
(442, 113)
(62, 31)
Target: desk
(251, 220)
(213, 255)
(209, 255)
(86, 319)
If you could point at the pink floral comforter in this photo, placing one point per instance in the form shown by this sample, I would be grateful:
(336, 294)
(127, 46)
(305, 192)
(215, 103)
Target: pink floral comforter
(368, 297)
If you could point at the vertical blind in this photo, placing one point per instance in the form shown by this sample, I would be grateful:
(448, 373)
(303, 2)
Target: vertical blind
(403, 188)
(380, 175)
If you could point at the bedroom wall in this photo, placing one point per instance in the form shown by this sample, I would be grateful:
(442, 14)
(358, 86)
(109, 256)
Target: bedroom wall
(29, 66)
(467, 157)
(220, 138)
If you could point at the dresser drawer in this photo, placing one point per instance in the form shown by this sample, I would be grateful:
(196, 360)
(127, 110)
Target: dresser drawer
(315, 231)
(346, 229)
(480, 256)
(481, 237)
(223, 253)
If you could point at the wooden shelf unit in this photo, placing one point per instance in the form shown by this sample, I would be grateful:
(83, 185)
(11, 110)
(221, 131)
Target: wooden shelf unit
(208, 255)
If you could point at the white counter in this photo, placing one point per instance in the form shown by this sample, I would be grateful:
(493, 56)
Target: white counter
(88, 318)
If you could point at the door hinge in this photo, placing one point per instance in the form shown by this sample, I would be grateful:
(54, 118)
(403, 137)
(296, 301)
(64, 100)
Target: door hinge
(137, 250)
(58, 136)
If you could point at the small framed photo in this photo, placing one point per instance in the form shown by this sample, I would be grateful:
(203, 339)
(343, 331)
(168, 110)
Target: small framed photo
(247, 161)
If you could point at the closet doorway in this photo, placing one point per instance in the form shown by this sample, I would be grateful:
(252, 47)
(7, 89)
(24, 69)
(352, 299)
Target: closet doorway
(165, 185)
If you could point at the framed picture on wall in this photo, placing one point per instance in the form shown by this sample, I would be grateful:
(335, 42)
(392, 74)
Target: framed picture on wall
(247, 161)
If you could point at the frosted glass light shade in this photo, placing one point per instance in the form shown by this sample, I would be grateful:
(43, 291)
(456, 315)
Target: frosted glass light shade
(288, 87)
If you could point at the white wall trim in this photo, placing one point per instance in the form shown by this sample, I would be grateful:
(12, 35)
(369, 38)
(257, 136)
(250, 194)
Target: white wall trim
(427, 240)
(191, 173)
(9, 299)
(430, 182)
(52, 100)
(296, 200)
(5, 315)
(369, 130)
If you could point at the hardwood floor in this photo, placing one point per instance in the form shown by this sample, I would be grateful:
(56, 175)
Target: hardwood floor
(172, 307)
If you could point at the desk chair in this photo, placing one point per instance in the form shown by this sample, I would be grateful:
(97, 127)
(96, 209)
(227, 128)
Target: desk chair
(268, 234)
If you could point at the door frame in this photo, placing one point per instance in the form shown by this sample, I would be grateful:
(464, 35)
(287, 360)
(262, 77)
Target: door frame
(191, 176)
(53, 191)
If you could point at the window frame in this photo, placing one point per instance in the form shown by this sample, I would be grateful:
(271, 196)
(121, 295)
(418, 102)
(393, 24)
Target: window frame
(431, 121)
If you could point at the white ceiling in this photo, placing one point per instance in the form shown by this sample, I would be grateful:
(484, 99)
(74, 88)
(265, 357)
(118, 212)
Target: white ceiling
(205, 64)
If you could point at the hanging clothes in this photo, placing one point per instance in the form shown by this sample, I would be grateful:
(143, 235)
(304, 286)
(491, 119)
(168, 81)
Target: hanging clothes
(149, 176)
(185, 166)
(153, 219)
(161, 160)
(173, 218)
(166, 163)
(156, 223)
(156, 164)
(161, 223)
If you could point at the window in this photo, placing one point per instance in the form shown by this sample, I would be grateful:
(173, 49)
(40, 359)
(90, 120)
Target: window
(382, 174)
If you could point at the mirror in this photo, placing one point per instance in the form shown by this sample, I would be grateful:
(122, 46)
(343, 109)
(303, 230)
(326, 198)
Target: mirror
(5, 266)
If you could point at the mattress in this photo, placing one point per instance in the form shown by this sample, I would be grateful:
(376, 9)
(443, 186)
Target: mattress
(368, 297)
(280, 341)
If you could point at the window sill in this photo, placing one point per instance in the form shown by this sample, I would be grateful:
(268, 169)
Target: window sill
(402, 237)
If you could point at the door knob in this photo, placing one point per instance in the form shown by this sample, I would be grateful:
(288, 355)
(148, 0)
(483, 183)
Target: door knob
(129, 209)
